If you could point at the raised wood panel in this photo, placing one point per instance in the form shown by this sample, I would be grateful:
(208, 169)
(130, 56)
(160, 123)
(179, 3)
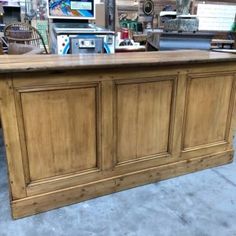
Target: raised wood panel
(142, 119)
(60, 131)
(207, 110)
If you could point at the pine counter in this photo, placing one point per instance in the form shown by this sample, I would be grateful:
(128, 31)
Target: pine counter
(78, 127)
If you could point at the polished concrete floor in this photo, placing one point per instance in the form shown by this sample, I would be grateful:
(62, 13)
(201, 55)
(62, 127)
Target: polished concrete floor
(199, 204)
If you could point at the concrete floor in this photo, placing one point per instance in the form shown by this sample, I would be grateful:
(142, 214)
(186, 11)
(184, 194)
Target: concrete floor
(199, 204)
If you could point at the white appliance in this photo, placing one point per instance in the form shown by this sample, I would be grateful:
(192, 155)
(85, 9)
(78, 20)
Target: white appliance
(62, 32)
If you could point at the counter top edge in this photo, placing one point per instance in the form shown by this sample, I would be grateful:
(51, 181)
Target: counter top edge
(33, 63)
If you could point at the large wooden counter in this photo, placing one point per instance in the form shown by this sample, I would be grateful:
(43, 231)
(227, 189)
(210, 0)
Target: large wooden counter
(78, 127)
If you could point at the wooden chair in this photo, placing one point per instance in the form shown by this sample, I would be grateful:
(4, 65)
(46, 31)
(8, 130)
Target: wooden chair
(22, 33)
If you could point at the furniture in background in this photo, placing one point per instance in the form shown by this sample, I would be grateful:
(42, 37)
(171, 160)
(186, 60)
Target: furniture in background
(22, 33)
(1, 53)
(1, 47)
(176, 41)
(18, 49)
(234, 41)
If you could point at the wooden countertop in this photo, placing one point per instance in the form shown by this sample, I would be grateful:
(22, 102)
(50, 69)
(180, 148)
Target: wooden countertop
(26, 63)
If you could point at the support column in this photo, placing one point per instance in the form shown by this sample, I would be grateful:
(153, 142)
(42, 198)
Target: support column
(110, 11)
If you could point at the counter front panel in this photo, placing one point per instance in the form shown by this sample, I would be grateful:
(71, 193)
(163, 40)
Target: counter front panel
(77, 134)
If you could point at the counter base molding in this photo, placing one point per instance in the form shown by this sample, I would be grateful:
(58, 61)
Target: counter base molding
(43, 202)
(73, 135)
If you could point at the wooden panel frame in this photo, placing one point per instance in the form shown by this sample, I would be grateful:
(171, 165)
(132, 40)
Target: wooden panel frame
(215, 146)
(12, 140)
(41, 185)
(155, 157)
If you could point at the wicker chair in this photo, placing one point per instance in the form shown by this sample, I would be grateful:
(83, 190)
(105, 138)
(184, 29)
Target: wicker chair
(22, 33)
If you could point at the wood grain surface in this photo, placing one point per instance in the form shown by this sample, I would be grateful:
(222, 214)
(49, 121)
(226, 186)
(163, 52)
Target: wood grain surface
(24, 63)
(76, 134)
(56, 126)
